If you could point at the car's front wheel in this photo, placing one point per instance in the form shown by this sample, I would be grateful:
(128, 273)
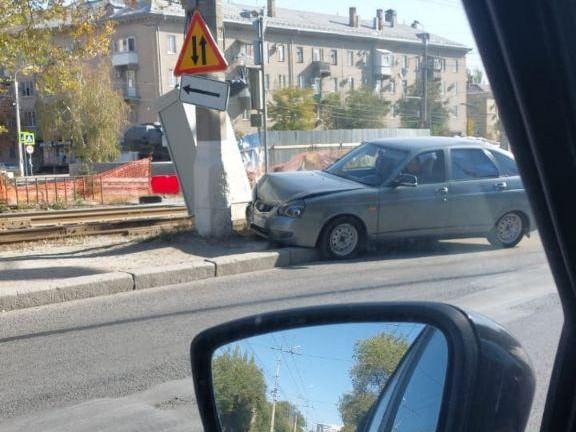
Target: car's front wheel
(342, 238)
(508, 231)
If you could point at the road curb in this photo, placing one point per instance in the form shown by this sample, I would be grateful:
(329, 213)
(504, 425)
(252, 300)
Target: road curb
(64, 290)
(76, 288)
(171, 275)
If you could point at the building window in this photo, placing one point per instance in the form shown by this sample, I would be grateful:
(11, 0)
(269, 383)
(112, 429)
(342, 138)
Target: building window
(281, 53)
(335, 80)
(405, 87)
(351, 80)
(334, 57)
(130, 83)
(350, 58)
(317, 85)
(365, 57)
(455, 88)
(171, 44)
(301, 81)
(246, 115)
(315, 54)
(405, 62)
(442, 88)
(418, 64)
(282, 81)
(172, 80)
(27, 88)
(29, 118)
(439, 64)
(455, 66)
(392, 86)
(267, 82)
(126, 45)
(299, 55)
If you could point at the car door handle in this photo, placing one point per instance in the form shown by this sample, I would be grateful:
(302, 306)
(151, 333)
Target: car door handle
(443, 192)
(501, 186)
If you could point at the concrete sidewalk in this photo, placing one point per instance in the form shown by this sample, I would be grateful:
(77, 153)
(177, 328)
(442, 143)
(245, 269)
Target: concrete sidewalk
(51, 272)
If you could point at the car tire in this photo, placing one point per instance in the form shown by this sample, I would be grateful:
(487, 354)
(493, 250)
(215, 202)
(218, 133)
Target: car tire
(508, 230)
(342, 238)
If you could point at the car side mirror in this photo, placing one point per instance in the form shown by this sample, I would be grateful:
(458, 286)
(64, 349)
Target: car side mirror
(405, 180)
(362, 367)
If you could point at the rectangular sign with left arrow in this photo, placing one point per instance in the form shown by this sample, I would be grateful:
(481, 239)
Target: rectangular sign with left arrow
(204, 92)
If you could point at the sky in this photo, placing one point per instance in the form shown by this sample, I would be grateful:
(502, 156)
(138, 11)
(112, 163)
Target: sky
(442, 17)
(315, 363)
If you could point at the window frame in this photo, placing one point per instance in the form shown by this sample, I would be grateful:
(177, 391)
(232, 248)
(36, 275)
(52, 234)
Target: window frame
(437, 150)
(299, 54)
(501, 170)
(281, 51)
(171, 48)
(334, 57)
(450, 177)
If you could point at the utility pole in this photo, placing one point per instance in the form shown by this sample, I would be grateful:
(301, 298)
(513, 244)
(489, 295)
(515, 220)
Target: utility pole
(261, 31)
(424, 123)
(275, 395)
(18, 126)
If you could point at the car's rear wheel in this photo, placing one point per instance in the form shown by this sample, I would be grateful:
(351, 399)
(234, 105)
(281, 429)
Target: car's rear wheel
(508, 230)
(342, 238)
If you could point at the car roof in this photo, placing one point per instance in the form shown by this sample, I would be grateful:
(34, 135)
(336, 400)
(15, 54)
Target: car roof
(414, 144)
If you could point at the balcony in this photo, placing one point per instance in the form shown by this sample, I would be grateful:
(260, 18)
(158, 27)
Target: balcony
(130, 94)
(128, 58)
(321, 69)
(383, 63)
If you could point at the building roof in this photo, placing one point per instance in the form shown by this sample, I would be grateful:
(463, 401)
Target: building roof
(288, 19)
(479, 89)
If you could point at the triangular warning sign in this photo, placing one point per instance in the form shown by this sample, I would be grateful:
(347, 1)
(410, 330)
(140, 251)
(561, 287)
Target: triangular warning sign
(200, 52)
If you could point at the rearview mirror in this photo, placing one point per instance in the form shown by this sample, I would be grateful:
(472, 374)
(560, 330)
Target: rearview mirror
(385, 367)
(405, 180)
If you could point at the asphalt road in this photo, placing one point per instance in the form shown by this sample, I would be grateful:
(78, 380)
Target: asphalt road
(120, 363)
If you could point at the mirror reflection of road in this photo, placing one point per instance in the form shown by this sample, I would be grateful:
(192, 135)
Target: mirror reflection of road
(89, 359)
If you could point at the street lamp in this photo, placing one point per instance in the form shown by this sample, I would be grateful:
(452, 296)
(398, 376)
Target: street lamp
(18, 126)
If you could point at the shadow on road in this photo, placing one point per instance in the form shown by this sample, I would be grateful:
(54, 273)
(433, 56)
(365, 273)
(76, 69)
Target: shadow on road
(47, 273)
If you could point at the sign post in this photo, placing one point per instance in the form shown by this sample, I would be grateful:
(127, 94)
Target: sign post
(28, 141)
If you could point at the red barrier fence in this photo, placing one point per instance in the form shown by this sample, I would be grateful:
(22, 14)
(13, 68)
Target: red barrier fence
(125, 183)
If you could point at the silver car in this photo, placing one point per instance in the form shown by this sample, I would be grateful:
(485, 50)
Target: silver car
(399, 187)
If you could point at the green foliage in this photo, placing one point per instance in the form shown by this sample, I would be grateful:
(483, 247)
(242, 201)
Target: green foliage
(375, 359)
(90, 114)
(50, 39)
(364, 109)
(240, 392)
(474, 76)
(292, 109)
(438, 112)
(284, 418)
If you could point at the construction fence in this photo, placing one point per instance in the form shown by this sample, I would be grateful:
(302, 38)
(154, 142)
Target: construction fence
(121, 184)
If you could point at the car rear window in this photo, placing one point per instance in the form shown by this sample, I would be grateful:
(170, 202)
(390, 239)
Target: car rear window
(506, 164)
(469, 164)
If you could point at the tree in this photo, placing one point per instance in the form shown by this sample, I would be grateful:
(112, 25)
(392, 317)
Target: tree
(293, 109)
(409, 108)
(240, 392)
(284, 418)
(364, 109)
(332, 113)
(51, 39)
(89, 113)
(474, 76)
(375, 359)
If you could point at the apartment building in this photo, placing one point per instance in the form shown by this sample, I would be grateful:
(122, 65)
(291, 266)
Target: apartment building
(482, 111)
(328, 53)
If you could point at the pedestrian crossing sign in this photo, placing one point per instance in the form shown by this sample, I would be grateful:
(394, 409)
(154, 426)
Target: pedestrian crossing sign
(200, 52)
(27, 138)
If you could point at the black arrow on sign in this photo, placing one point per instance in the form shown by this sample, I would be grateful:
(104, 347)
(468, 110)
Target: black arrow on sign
(194, 53)
(203, 45)
(189, 90)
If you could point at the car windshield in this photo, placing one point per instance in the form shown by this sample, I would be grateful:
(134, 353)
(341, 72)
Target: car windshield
(370, 164)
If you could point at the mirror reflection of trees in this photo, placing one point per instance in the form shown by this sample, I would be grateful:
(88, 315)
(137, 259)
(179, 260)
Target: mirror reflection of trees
(240, 393)
(375, 359)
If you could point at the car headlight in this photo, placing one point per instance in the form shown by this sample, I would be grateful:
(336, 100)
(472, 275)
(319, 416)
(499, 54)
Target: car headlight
(293, 210)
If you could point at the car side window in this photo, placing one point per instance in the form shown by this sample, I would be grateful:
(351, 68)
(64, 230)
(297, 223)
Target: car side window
(471, 164)
(422, 399)
(506, 164)
(428, 167)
